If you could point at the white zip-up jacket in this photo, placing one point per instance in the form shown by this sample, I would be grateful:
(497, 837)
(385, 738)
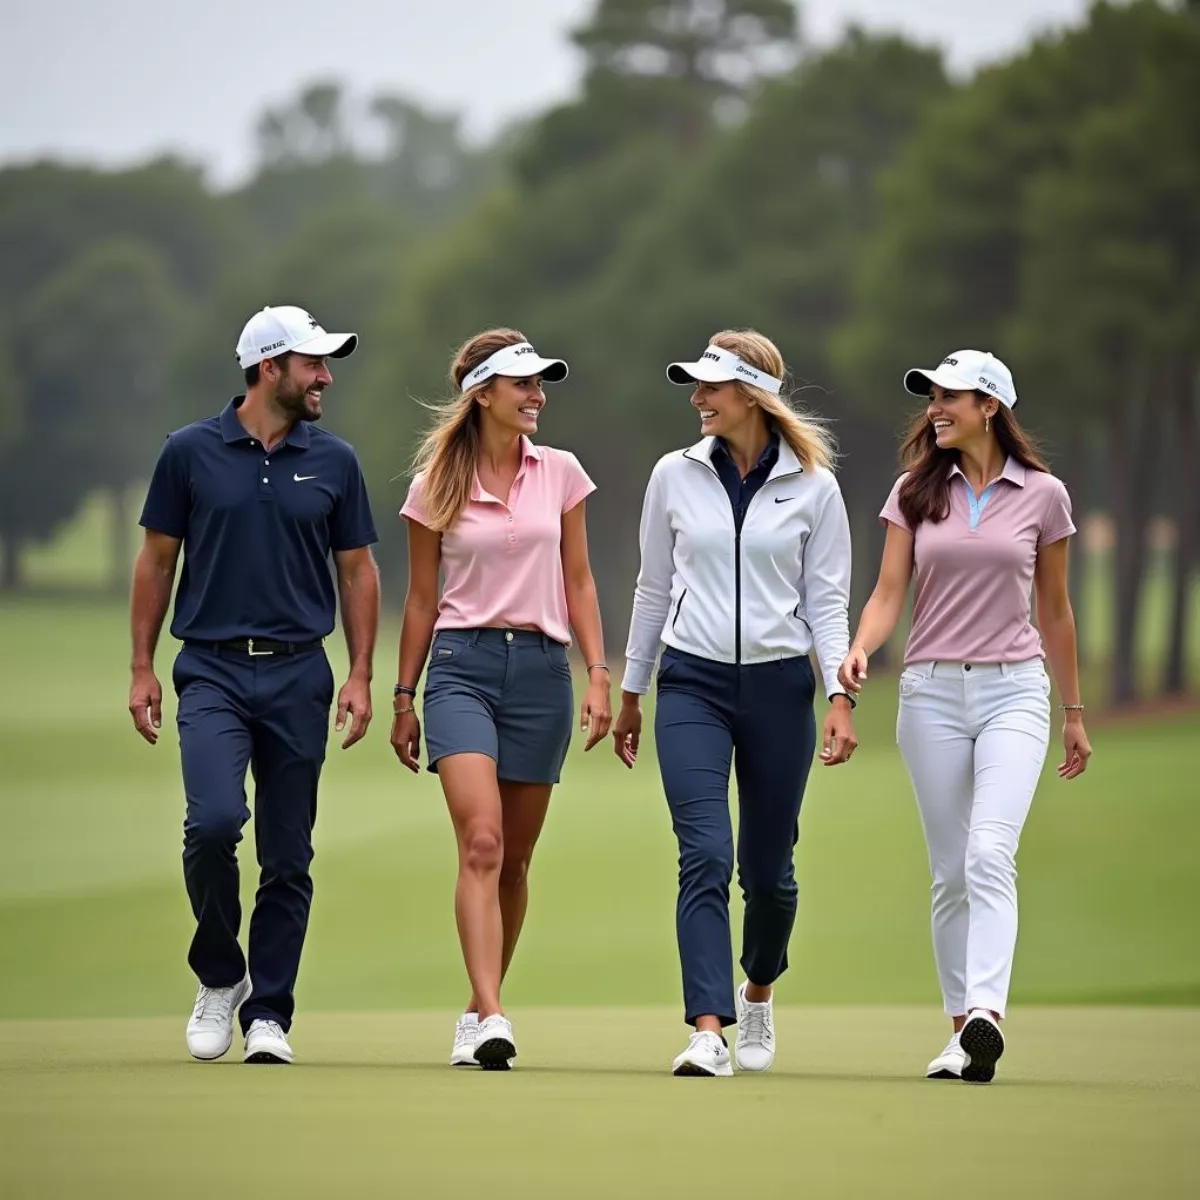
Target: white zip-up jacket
(776, 590)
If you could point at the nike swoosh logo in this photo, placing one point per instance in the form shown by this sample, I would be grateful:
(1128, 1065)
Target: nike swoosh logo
(783, 499)
(302, 478)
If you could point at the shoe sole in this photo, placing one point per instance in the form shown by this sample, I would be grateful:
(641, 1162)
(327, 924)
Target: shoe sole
(266, 1058)
(229, 1044)
(689, 1070)
(983, 1044)
(495, 1054)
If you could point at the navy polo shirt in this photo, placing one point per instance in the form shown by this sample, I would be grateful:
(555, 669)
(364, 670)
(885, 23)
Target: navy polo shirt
(742, 491)
(257, 527)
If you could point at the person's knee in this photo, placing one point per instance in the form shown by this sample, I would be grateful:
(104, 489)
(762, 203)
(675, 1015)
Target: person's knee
(482, 850)
(707, 862)
(514, 867)
(215, 826)
(991, 857)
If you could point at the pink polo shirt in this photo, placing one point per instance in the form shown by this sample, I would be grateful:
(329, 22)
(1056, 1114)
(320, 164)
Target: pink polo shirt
(502, 563)
(974, 570)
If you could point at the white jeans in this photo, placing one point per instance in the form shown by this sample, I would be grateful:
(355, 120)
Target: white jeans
(974, 738)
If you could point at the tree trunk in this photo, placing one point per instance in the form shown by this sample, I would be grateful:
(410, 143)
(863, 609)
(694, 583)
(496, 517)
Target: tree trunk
(120, 544)
(1187, 445)
(12, 576)
(1131, 463)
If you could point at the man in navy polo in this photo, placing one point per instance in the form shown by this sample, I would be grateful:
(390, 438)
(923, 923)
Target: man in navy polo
(257, 497)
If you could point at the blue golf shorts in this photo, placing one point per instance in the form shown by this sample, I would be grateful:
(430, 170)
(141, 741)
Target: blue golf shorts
(505, 693)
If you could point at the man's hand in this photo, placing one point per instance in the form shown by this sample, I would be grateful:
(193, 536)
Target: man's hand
(838, 742)
(145, 703)
(354, 699)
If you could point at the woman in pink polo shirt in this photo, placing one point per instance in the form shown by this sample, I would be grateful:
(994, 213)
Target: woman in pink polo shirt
(981, 522)
(503, 521)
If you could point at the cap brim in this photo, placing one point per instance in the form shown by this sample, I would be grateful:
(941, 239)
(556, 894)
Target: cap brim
(704, 371)
(329, 345)
(552, 370)
(920, 383)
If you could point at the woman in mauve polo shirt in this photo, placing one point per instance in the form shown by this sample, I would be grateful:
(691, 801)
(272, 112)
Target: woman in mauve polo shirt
(981, 523)
(502, 520)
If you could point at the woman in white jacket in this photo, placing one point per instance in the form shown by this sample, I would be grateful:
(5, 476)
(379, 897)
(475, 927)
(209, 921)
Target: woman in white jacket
(745, 570)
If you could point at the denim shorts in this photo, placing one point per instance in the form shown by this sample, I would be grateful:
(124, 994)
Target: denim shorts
(505, 693)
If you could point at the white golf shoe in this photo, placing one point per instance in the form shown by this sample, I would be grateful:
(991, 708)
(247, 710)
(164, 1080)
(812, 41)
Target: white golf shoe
(755, 1046)
(210, 1027)
(267, 1043)
(983, 1044)
(949, 1064)
(706, 1054)
(466, 1033)
(494, 1045)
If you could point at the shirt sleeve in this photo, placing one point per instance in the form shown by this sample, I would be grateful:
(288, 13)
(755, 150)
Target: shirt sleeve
(826, 570)
(352, 525)
(1057, 523)
(577, 485)
(652, 595)
(169, 497)
(891, 508)
(412, 507)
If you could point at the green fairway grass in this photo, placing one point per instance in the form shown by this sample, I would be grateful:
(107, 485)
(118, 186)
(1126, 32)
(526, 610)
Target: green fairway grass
(1088, 1102)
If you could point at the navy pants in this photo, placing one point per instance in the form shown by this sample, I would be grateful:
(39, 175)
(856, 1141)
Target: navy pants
(759, 720)
(270, 713)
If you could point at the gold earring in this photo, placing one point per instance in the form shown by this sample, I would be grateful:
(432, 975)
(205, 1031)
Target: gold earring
(987, 424)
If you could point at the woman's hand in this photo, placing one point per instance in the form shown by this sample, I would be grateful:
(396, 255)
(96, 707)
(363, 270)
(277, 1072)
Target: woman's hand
(854, 670)
(406, 738)
(627, 732)
(595, 718)
(1078, 748)
(838, 742)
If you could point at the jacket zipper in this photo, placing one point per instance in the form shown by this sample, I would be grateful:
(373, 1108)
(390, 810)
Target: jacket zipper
(737, 556)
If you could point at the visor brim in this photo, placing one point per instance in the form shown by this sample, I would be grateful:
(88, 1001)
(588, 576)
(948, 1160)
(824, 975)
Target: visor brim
(552, 370)
(703, 371)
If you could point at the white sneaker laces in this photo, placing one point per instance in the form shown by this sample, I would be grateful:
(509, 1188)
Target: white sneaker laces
(213, 1004)
(465, 1031)
(271, 1029)
(755, 1025)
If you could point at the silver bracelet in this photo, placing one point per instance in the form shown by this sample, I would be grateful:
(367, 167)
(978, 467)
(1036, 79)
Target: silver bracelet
(1072, 707)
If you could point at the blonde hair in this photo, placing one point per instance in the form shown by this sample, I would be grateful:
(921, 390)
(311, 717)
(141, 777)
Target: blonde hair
(810, 440)
(449, 450)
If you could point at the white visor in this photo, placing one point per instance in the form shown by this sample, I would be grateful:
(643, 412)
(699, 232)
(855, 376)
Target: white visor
(517, 362)
(717, 365)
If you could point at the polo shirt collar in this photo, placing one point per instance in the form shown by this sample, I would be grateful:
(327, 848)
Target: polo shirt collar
(232, 430)
(528, 451)
(1013, 471)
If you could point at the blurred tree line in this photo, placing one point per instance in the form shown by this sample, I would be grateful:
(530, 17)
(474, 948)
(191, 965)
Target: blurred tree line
(855, 203)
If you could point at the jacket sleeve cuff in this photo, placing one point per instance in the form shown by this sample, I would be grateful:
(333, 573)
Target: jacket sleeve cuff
(638, 674)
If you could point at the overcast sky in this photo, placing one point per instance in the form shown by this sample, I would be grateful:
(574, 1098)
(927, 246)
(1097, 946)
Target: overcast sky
(114, 81)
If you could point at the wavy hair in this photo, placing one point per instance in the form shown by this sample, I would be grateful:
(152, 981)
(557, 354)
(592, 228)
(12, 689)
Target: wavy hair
(809, 438)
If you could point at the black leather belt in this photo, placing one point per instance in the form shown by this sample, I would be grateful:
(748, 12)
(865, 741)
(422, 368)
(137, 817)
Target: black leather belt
(261, 647)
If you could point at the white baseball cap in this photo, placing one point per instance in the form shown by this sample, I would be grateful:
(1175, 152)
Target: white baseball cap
(283, 328)
(519, 361)
(718, 365)
(966, 371)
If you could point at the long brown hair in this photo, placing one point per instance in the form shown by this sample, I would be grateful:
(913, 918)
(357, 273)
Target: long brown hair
(450, 449)
(925, 494)
(810, 441)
